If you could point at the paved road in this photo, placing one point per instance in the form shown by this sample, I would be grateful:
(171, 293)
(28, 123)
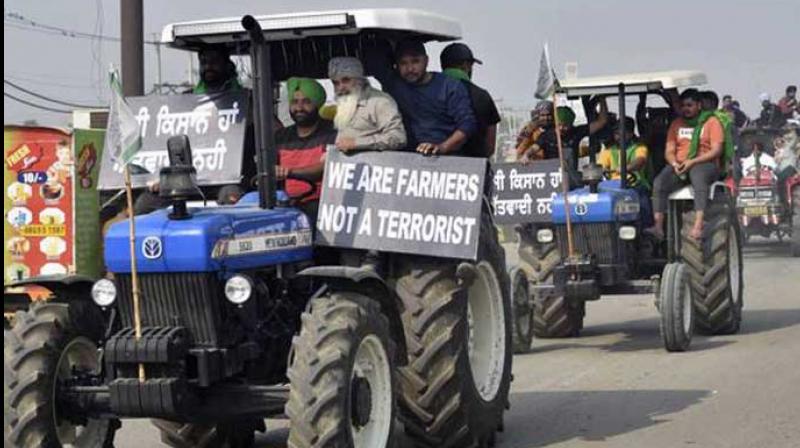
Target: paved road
(616, 387)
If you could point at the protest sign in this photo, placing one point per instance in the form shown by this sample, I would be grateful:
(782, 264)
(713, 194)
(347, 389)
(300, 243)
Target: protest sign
(523, 193)
(215, 125)
(402, 202)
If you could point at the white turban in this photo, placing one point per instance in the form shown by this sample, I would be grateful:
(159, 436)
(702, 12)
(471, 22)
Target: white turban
(345, 67)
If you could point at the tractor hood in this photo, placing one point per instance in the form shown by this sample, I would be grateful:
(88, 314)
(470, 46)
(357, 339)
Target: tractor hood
(610, 204)
(228, 238)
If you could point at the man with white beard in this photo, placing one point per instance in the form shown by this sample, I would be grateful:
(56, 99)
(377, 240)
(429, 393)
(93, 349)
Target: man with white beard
(366, 118)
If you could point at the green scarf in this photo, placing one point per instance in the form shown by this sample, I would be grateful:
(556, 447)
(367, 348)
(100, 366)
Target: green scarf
(232, 85)
(642, 174)
(456, 73)
(727, 146)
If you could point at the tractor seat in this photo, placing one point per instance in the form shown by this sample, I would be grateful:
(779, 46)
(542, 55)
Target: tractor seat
(687, 193)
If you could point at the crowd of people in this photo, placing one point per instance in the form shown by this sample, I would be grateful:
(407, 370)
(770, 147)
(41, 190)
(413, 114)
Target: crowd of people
(432, 113)
(445, 113)
(695, 140)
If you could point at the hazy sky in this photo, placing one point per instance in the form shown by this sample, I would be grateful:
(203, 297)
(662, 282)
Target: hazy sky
(745, 46)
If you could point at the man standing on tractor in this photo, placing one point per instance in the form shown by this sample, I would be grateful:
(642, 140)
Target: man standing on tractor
(457, 62)
(218, 74)
(436, 109)
(571, 137)
(638, 166)
(788, 104)
(366, 118)
(541, 121)
(771, 116)
(694, 152)
(217, 71)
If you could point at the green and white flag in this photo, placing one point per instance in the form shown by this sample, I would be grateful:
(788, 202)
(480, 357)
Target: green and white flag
(123, 137)
(546, 82)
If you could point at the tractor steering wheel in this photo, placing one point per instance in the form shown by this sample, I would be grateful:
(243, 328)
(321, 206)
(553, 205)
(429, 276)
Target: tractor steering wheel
(312, 186)
(310, 183)
(631, 178)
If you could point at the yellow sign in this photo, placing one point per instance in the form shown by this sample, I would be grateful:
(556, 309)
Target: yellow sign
(16, 156)
(756, 211)
(43, 230)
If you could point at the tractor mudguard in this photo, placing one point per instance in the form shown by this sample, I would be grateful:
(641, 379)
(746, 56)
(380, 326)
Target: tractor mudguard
(18, 294)
(370, 283)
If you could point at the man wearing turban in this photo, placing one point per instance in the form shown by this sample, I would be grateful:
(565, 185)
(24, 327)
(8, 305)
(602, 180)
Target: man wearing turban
(301, 146)
(366, 118)
(571, 136)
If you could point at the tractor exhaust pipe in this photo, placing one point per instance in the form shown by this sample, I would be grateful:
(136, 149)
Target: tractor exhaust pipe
(623, 149)
(263, 111)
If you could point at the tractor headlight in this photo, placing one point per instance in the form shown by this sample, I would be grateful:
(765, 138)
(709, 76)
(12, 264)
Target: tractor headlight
(238, 289)
(544, 236)
(104, 292)
(626, 207)
(627, 233)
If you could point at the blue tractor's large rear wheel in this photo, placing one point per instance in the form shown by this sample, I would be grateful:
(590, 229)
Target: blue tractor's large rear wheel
(458, 336)
(714, 264)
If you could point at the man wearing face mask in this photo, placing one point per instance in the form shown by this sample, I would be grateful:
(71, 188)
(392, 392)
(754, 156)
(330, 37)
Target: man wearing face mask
(366, 118)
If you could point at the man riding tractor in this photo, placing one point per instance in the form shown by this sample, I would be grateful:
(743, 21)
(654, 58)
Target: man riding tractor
(768, 186)
(226, 307)
(596, 244)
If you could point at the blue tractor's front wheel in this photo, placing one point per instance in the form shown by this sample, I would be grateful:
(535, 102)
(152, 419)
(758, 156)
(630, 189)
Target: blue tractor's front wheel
(675, 306)
(553, 316)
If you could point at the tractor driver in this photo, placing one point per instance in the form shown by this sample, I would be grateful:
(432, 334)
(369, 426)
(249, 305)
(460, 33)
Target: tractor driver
(301, 146)
(638, 166)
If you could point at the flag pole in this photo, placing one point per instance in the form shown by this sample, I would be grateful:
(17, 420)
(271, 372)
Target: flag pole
(137, 319)
(564, 178)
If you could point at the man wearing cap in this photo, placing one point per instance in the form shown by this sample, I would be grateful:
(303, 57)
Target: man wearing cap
(457, 62)
(366, 118)
(437, 111)
(301, 146)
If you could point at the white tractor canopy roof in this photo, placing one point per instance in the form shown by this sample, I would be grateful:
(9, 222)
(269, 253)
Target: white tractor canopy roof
(390, 23)
(635, 83)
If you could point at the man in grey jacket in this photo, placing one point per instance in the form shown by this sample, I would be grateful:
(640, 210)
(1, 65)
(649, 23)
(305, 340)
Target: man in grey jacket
(366, 118)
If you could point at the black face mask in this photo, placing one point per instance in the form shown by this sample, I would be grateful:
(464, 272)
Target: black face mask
(305, 120)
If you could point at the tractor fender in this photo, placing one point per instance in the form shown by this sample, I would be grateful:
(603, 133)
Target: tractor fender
(366, 281)
(19, 294)
(792, 183)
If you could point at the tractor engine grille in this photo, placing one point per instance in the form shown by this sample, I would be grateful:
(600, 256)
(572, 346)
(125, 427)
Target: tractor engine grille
(598, 239)
(191, 300)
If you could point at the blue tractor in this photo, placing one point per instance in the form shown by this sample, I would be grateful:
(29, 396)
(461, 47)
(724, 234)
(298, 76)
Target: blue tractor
(239, 323)
(698, 284)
